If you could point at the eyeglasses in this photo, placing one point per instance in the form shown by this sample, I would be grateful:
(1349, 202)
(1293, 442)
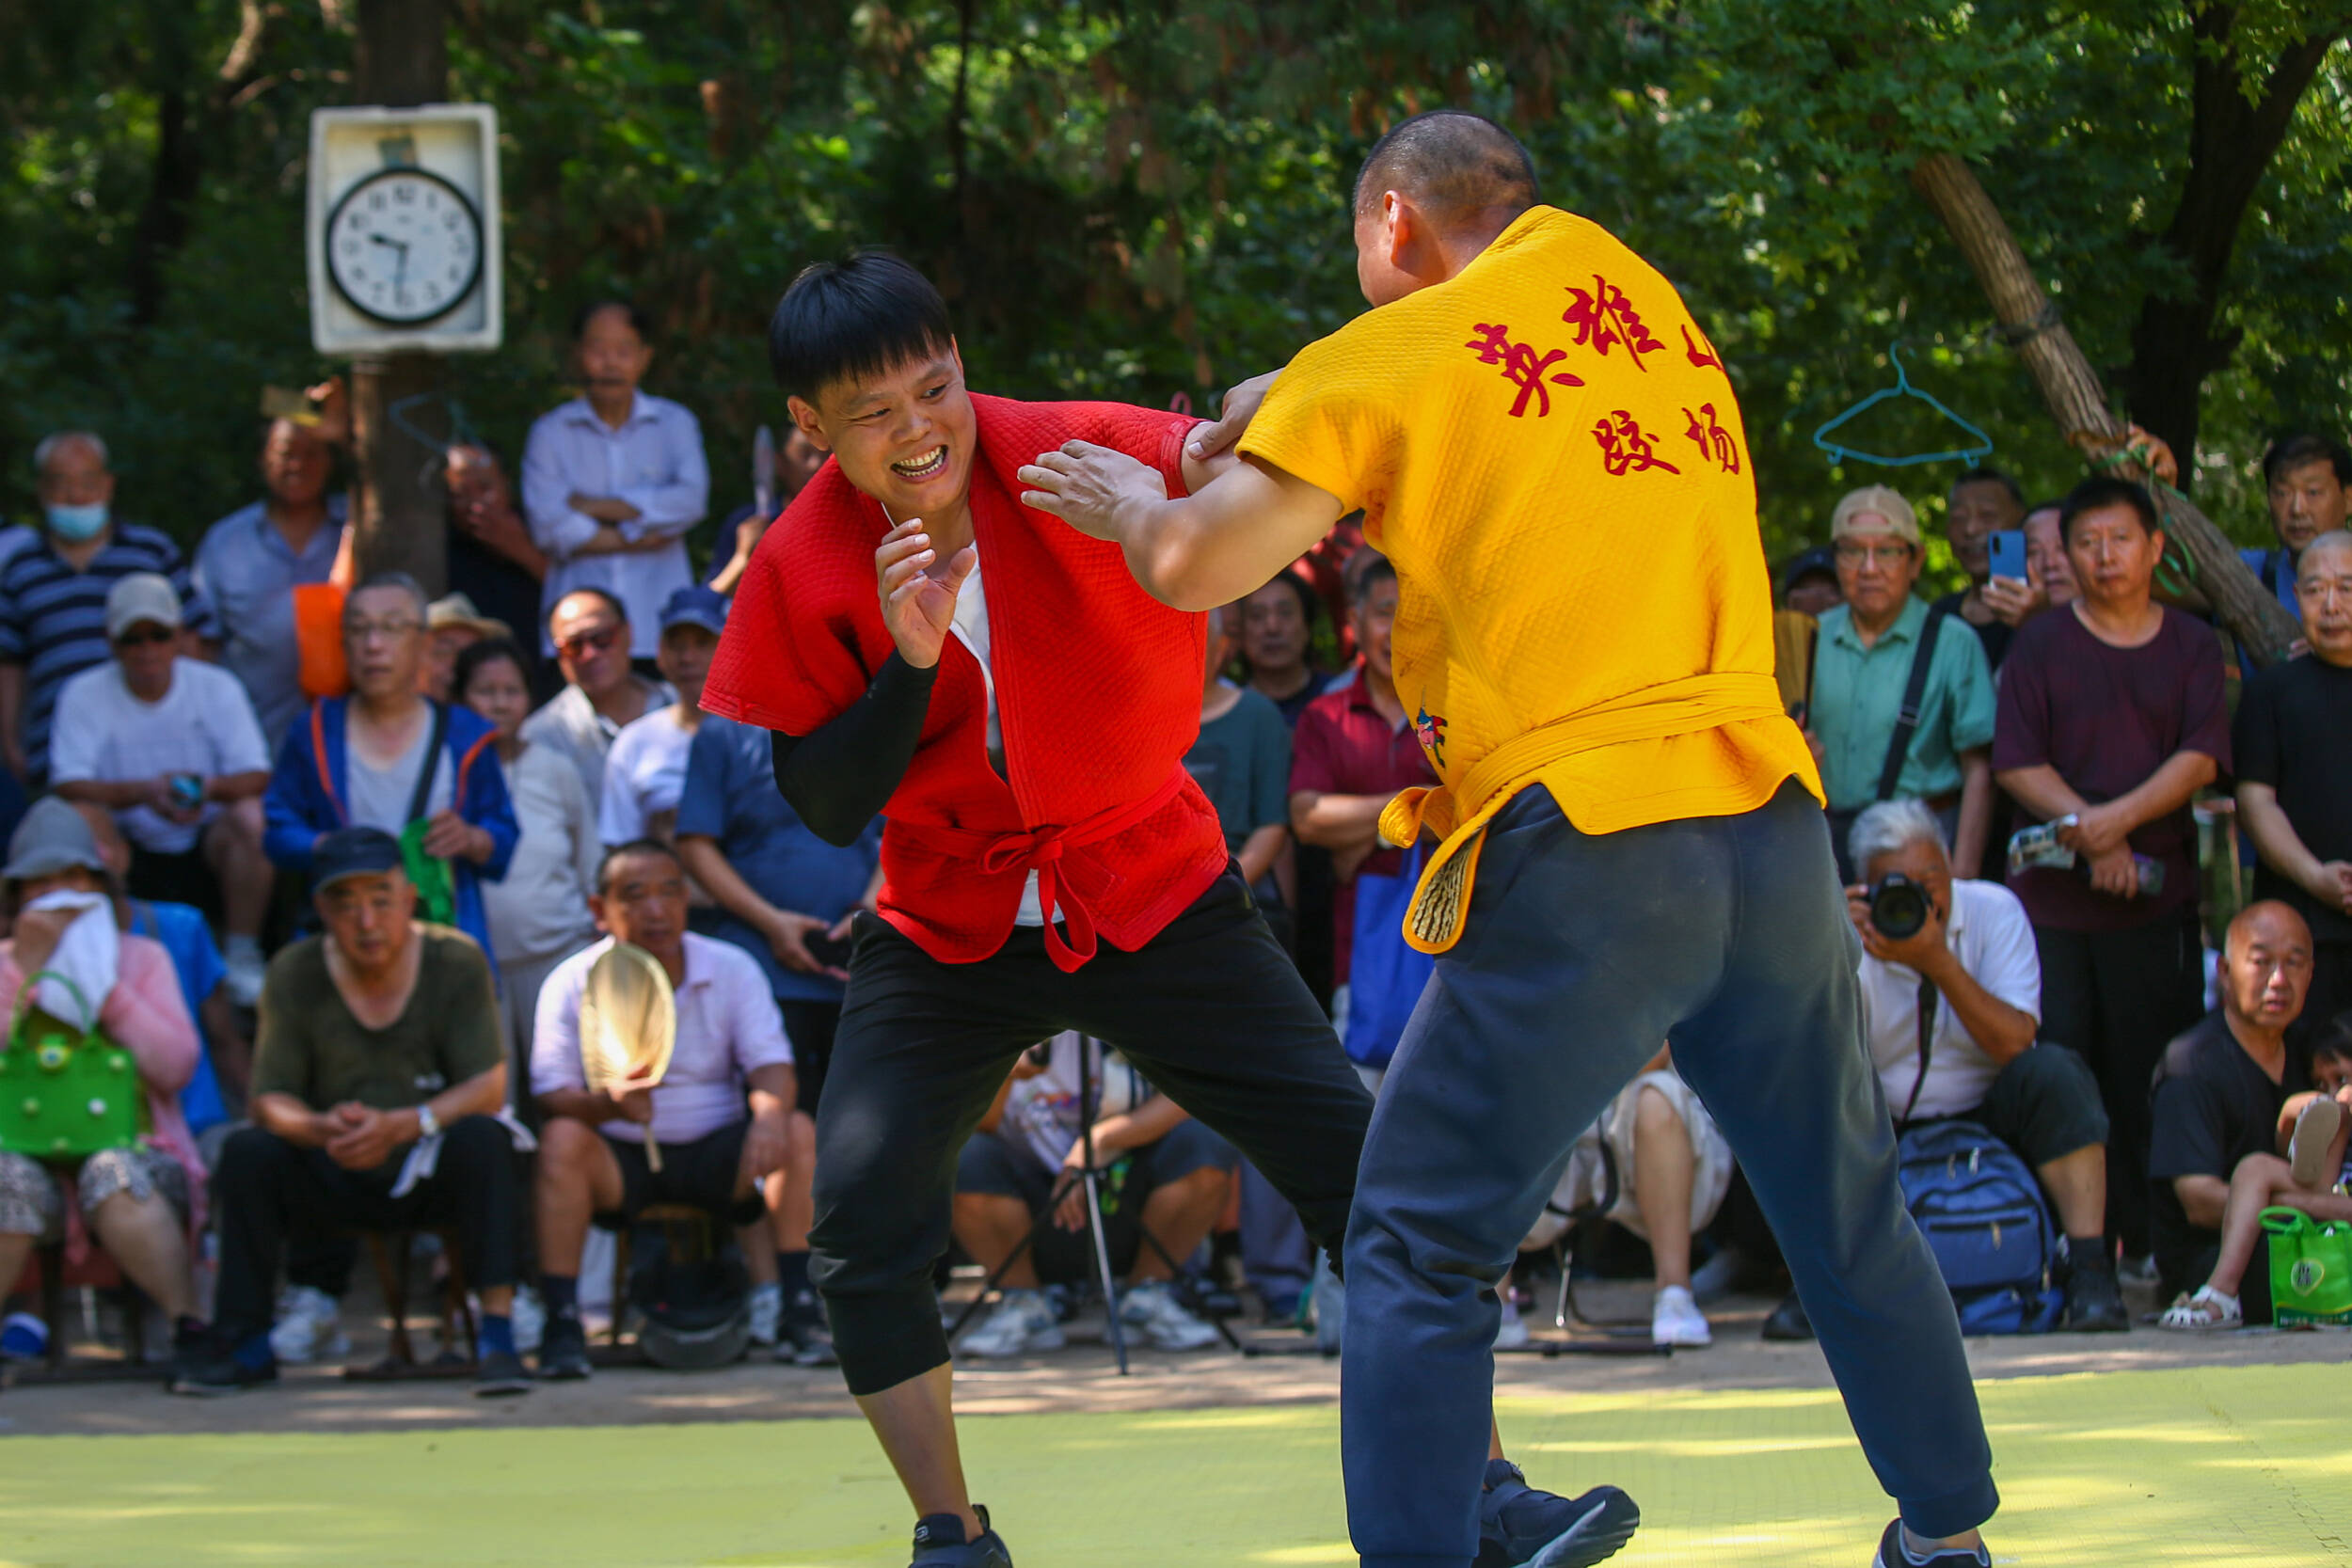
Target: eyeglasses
(1856, 555)
(581, 643)
(147, 637)
(360, 631)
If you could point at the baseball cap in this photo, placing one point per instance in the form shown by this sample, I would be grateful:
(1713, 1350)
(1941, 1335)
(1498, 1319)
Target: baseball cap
(352, 852)
(1805, 563)
(695, 606)
(52, 837)
(141, 596)
(1901, 521)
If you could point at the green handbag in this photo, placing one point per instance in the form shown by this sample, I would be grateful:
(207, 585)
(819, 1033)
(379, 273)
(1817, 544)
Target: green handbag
(66, 1093)
(2311, 1269)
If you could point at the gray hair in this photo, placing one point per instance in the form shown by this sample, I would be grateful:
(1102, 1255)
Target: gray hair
(49, 444)
(401, 580)
(1888, 826)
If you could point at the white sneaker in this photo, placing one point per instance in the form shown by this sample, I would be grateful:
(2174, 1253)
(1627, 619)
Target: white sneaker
(529, 1318)
(1024, 1321)
(1675, 1319)
(307, 1327)
(767, 1312)
(1513, 1335)
(244, 973)
(1152, 1307)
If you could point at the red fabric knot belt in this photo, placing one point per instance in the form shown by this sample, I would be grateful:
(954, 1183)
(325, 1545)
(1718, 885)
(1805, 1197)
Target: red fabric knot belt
(1040, 849)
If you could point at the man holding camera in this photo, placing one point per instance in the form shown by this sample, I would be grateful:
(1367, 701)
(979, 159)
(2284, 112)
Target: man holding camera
(1959, 954)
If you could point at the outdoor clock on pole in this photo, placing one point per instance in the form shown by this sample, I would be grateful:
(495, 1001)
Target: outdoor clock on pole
(403, 230)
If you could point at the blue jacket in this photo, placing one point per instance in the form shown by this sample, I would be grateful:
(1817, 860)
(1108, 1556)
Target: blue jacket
(311, 782)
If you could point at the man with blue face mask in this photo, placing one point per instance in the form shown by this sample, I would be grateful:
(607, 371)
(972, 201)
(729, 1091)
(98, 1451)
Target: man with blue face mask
(53, 592)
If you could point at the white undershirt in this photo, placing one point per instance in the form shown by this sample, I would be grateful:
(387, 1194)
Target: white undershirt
(970, 626)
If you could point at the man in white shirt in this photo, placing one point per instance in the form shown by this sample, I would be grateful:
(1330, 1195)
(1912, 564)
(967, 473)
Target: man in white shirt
(614, 479)
(171, 746)
(716, 1150)
(1972, 962)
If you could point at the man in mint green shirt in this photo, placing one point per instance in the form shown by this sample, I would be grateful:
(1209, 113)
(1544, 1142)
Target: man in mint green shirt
(1862, 664)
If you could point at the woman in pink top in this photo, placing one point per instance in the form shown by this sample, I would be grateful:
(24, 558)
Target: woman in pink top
(145, 1204)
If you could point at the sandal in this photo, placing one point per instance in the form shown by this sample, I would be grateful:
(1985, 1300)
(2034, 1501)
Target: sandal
(2307, 1150)
(2202, 1312)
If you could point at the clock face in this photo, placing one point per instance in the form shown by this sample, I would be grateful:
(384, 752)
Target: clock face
(404, 246)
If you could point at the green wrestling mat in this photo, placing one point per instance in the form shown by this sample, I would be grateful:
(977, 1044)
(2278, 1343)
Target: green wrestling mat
(2222, 1467)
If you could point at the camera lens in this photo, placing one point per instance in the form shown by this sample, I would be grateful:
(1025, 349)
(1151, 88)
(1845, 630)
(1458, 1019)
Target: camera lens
(1898, 907)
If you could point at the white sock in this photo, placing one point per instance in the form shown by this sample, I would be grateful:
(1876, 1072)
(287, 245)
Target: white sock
(1922, 1556)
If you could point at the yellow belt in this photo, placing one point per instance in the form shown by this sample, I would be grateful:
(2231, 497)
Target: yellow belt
(1458, 812)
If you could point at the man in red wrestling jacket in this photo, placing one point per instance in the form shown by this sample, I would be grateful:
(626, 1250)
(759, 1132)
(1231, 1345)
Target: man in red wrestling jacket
(998, 688)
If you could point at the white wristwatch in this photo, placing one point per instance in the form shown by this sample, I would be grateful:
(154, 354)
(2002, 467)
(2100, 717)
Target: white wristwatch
(427, 1123)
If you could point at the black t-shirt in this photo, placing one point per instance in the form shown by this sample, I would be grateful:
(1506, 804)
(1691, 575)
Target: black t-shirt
(1994, 634)
(502, 590)
(2213, 1108)
(2294, 733)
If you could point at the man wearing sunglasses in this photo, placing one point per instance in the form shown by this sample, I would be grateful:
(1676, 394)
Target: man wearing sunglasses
(171, 746)
(602, 695)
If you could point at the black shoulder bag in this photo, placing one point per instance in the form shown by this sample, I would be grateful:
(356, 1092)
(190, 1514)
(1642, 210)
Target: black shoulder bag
(1914, 692)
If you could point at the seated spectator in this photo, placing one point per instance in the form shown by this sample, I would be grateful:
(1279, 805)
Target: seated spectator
(2308, 481)
(377, 1085)
(2112, 714)
(1808, 582)
(2293, 742)
(2222, 1095)
(797, 462)
(614, 479)
(538, 911)
(388, 758)
(451, 624)
(53, 592)
(716, 1148)
(249, 564)
(2310, 1178)
(170, 745)
(1862, 670)
(1974, 962)
(493, 565)
(645, 773)
(1171, 1177)
(1277, 631)
(1982, 502)
(1671, 1168)
(1242, 762)
(601, 695)
(144, 1203)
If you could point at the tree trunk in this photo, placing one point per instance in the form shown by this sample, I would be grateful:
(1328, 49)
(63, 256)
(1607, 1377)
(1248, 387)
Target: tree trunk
(2231, 140)
(2072, 388)
(399, 517)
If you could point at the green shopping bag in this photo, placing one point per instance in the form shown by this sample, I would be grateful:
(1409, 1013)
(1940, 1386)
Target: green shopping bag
(436, 890)
(65, 1090)
(2311, 1269)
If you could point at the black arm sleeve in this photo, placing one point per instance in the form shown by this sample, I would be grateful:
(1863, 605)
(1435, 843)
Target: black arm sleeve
(838, 776)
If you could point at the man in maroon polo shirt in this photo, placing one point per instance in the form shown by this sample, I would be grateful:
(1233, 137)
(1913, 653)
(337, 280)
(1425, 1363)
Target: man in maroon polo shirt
(1354, 749)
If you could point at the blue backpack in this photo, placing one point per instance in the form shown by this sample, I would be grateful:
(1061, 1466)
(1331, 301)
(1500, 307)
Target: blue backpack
(1981, 1209)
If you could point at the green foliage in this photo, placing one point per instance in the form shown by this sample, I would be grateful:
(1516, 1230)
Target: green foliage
(1138, 201)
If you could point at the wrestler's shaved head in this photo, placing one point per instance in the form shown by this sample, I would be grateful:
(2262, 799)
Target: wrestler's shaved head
(1455, 166)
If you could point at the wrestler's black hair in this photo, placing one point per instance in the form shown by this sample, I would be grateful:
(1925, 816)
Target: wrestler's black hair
(860, 316)
(1994, 476)
(2101, 491)
(1455, 163)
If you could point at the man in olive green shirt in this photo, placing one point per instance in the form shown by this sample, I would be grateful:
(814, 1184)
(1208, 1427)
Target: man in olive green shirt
(1861, 666)
(377, 1077)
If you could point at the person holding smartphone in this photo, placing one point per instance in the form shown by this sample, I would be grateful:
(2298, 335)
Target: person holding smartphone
(1983, 512)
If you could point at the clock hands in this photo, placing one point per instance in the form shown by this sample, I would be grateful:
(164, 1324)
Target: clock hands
(400, 271)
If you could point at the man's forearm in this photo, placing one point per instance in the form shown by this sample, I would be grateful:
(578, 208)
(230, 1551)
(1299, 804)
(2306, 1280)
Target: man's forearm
(593, 1106)
(284, 1117)
(2041, 790)
(482, 1095)
(2002, 1032)
(2266, 822)
(1976, 810)
(228, 787)
(774, 1089)
(1226, 540)
(715, 875)
(113, 794)
(2168, 789)
(1337, 821)
(1258, 851)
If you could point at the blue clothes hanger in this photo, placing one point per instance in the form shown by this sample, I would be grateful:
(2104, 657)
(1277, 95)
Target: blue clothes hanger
(1902, 389)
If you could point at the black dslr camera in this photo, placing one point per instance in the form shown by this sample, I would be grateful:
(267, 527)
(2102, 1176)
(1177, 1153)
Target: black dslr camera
(1898, 907)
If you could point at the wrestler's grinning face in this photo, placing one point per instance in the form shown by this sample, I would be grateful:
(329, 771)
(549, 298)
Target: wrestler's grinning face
(903, 435)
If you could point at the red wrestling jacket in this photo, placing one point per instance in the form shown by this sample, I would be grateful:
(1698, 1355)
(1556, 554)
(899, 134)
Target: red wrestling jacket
(1098, 692)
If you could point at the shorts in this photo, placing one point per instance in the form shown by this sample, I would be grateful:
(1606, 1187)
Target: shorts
(32, 1195)
(700, 1174)
(998, 1165)
(1586, 1182)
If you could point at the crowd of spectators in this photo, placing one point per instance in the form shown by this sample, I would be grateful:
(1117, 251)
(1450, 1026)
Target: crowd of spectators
(446, 845)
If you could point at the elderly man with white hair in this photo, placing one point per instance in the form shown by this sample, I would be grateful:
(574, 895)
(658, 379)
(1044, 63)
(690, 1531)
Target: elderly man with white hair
(1970, 973)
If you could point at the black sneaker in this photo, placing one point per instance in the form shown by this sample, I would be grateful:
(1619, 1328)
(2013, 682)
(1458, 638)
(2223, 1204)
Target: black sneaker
(563, 1349)
(2094, 1303)
(803, 1339)
(205, 1367)
(1891, 1553)
(1787, 1321)
(497, 1373)
(1520, 1526)
(939, 1543)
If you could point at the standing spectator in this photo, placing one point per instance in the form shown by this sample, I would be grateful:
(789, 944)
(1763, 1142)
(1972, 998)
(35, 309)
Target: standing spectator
(53, 592)
(2293, 743)
(645, 773)
(170, 745)
(377, 1085)
(602, 695)
(2309, 483)
(451, 624)
(493, 563)
(538, 911)
(1242, 762)
(2112, 714)
(387, 757)
(2051, 576)
(1865, 663)
(1808, 582)
(1982, 502)
(2221, 1095)
(614, 479)
(797, 462)
(250, 564)
(1278, 624)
